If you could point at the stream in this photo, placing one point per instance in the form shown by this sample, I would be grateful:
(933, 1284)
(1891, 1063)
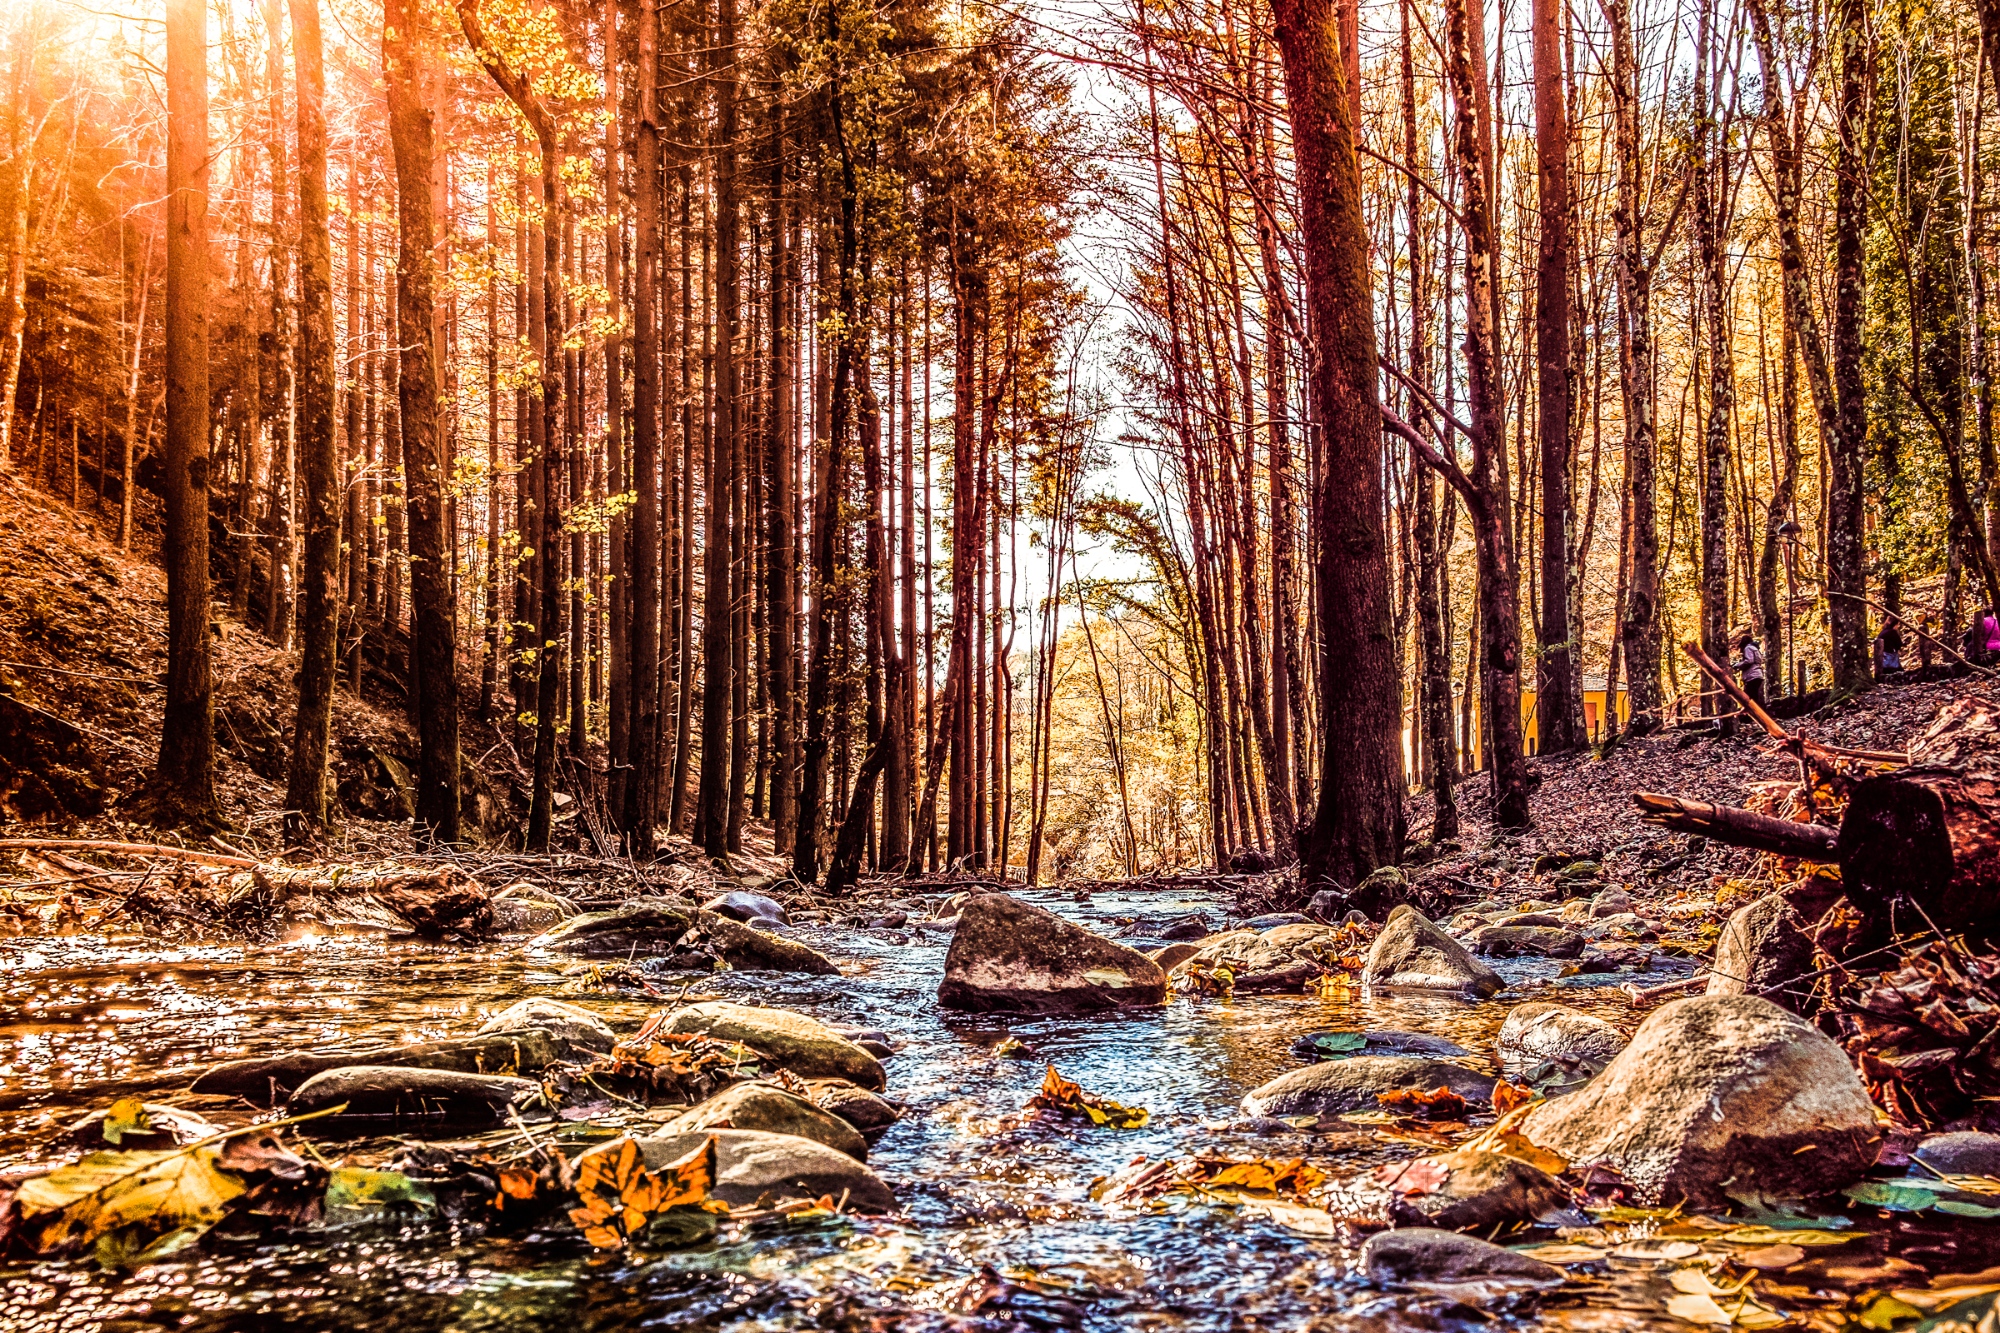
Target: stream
(86, 1020)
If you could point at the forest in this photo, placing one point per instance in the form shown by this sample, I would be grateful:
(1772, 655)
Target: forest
(960, 438)
(927, 665)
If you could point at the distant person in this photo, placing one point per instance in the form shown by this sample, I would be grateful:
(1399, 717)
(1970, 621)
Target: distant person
(1889, 650)
(1750, 662)
(1982, 639)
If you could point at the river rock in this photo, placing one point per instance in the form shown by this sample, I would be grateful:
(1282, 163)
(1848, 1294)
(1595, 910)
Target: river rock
(584, 1031)
(1009, 955)
(1611, 902)
(869, 1114)
(1281, 959)
(1483, 1190)
(1765, 950)
(1425, 1254)
(1193, 926)
(1540, 1031)
(772, 1110)
(1512, 940)
(741, 905)
(1173, 955)
(408, 1100)
(806, 1046)
(158, 1126)
(1377, 1041)
(751, 1164)
(1623, 926)
(1272, 920)
(1963, 1153)
(1532, 919)
(662, 928)
(269, 1080)
(1335, 1086)
(1413, 954)
(1716, 1094)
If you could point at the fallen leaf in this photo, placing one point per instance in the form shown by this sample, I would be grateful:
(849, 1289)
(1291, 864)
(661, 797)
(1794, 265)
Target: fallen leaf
(1510, 1097)
(1297, 1218)
(619, 1197)
(151, 1194)
(1071, 1102)
(1440, 1103)
(1886, 1312)
(128, 1115)
(1423, 1175)
(1769, 1258)
(1698, 1309)
(360, 1187)
(1657, 1250)
(1504, 1137)
(1565, 1254)
(1774, 1236)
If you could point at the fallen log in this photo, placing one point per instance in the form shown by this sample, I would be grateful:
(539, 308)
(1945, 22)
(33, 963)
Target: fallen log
(1918, 847)
(1739, 827)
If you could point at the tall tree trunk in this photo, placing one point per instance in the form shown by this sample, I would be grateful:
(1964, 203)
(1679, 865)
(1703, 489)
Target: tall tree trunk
(1358, 823)
(780, 570)
(717, 671)
(1639, 631)
(642, 791)
(433, 628)
(1846, 571)
(1486, 494)
(1434, 720)
(1558, 708)
(277, 404)
(181, 790)
(19, 202)
(319, 458)
(1710, 189)
(548, 341)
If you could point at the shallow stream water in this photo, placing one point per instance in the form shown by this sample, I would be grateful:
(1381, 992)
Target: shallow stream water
(86, 1020)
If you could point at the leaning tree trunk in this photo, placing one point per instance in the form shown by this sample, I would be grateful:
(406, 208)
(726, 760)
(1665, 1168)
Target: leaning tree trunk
(1358, 822)
(319, 462)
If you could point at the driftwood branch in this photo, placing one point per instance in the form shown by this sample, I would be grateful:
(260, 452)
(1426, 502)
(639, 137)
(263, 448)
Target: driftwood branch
(148, 850)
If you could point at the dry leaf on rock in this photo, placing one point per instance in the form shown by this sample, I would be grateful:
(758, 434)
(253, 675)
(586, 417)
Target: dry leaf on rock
(1070, 1102)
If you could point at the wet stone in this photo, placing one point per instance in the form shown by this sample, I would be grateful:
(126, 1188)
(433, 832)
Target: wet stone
(578, 1027)
(1336, 1086)
(402, 1100)
(1962, 1153)
(1424, 1254)
(751, 1165)
(1413, 954)
(1511, 940)
(760, 1106)
(1482, 1190)
(1012, 956)
(1718, 1094)
(268, 1081)
(805, 1046)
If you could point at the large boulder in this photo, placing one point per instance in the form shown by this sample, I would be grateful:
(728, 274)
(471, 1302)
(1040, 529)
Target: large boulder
(1718, 1096)
(1425, 1254)
(389, 1099)
(1526, 936)
(742, 905)
(267, 1081)
(1337, 1086)
(665, 928)
(751, 1164)
(1480, 1190)
(1008, 955)
(805, 1046)
(1540, 1031)
(772, 1110)
(1413, 954)
(572, 1024)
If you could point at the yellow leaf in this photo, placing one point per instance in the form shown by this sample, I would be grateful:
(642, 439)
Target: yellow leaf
(1887, 1312)
(1565, 1254)
(127, 1116)
(613, 1184)
(1698, 1309)
(154, 1192)
(1774, 1236)
(1504, 1137)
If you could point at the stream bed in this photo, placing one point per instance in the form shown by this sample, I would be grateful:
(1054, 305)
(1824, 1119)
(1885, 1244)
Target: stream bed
(86, 1020)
